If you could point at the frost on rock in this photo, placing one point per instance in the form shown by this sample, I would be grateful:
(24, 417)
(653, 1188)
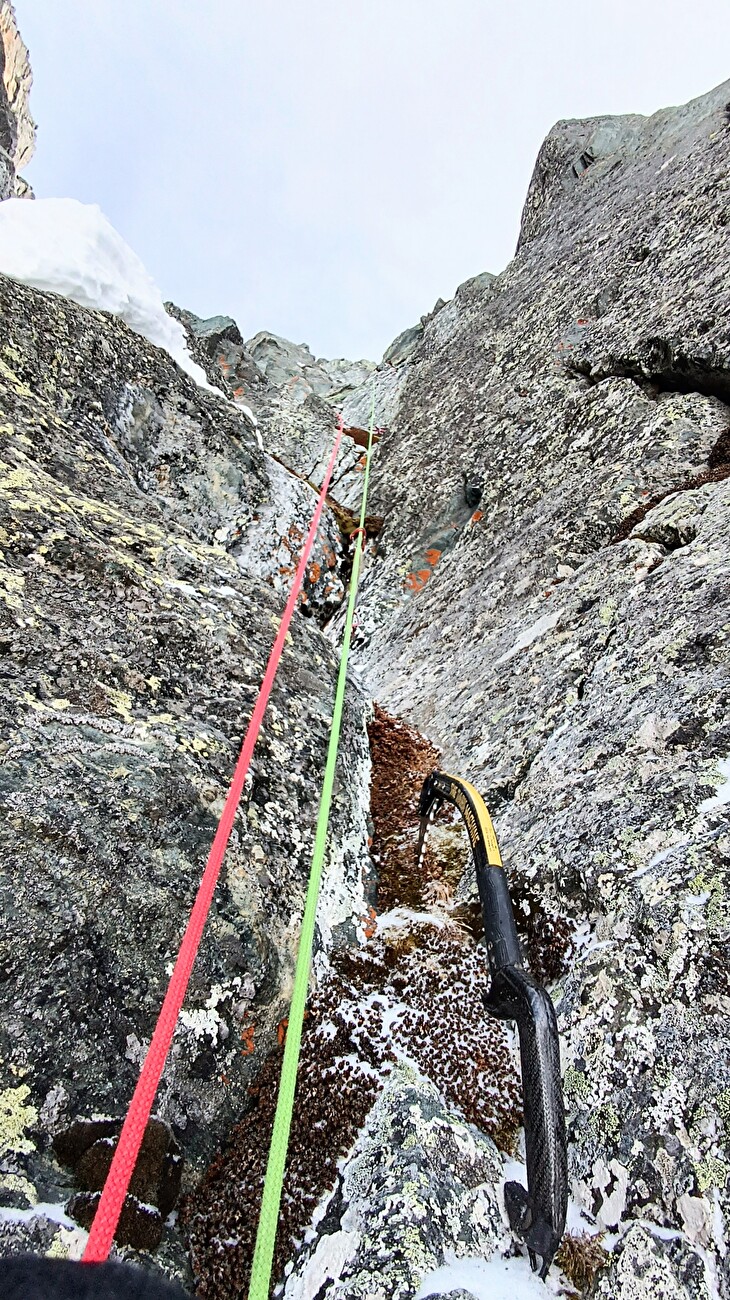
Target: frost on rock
(410, 992)
(419, 1185)
(271, 549)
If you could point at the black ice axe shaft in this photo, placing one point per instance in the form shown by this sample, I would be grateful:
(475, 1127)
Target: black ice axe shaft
(537, 1214)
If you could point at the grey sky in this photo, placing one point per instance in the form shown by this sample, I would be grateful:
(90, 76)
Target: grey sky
(328, 168)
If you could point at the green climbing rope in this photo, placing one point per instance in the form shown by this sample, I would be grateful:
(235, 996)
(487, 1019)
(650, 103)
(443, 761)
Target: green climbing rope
(271, 1199)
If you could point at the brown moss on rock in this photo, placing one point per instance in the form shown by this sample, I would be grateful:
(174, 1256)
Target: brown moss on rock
(581, 1257)
(402, 759)
(412, 992)
(87, 1146)
(221, 1217)
(140, 1225)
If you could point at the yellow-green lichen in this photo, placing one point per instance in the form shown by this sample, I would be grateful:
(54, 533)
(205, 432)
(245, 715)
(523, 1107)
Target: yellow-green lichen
(604, 1122)
(199, 744)
(19, 1185)
(15, 1118)
(722, 1106)
(576, 1084)
(120, 701)
(712, 1172)
(11, 585)
(717, 913)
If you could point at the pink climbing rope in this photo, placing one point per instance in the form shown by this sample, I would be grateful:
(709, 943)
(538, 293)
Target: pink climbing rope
(140, 1107)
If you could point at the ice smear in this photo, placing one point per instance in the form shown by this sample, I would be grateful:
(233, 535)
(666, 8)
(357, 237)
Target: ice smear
(71, 249)
(494, 1279)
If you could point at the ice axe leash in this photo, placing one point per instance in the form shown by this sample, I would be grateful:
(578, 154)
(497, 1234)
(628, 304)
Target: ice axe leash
(536, 1214)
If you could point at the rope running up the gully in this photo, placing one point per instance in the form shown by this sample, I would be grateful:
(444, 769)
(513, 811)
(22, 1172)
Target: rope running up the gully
(271, 1199)
(135, 1124)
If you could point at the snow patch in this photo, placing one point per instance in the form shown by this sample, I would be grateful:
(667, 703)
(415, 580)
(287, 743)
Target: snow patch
(403, 918)
(494, 1279)
(70, 248)
(52, 1211)
(612, 1180)
(325, 1266)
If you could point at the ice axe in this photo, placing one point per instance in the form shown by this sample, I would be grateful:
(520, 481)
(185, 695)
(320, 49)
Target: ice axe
(536, 1215)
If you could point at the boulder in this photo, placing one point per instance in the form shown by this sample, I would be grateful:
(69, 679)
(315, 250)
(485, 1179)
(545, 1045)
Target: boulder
(420, 1185)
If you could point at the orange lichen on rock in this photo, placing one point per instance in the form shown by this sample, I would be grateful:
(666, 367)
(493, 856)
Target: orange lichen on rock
(370, 923)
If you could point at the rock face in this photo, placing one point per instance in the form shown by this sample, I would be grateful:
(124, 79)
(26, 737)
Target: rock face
(548, 602)
(146, 540)
(420, 1184)
(293, 367)
(17, 128)
(218, 347)
(295, 397)
(585, 686)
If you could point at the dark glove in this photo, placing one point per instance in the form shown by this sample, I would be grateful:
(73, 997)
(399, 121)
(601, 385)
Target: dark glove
(31, 1277)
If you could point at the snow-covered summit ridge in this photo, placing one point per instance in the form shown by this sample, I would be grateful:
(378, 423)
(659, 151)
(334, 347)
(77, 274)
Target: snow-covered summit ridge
(72, 249)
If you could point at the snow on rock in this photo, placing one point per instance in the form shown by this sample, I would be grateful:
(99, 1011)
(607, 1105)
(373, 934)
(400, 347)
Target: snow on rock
(418, 1188)
(493, 1279)
(70, 248)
